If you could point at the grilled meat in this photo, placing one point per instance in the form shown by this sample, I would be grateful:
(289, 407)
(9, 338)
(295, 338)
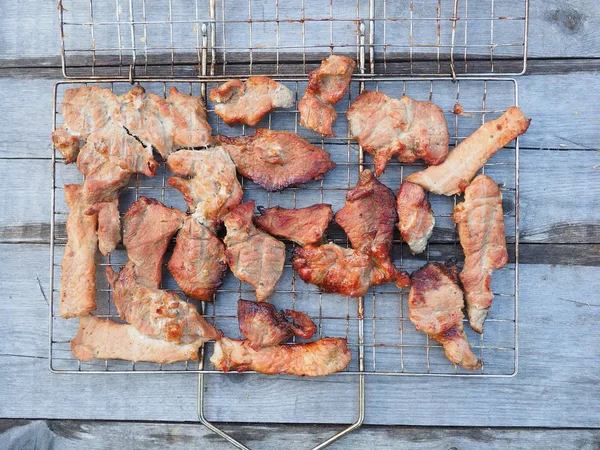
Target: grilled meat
(277, 159)
(416, 219)
(109, 225)
(455, 174)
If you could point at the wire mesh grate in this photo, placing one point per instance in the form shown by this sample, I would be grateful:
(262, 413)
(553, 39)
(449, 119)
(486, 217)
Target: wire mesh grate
(389, 341)
(150, 38)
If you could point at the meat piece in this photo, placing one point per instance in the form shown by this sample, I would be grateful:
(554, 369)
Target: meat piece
(253, 256)
(109, 225)
(212, 189)
(316, 114)
(156, 313)
(197, 131)
(84, 110)
(148, 227)
(322, 357)
(277, 159)
(435, 302)
(247, 102)
(480, 223)
(264, 326)
(416, 219)
(78, 283)
(455, 174)
(343, 271)
(101, 122)
(165, 124)
(304, 226)
(198, 264)
(368, 218)
(108, 159)
(104, 339)
(409, 129)
(331, 80)
(326, 85)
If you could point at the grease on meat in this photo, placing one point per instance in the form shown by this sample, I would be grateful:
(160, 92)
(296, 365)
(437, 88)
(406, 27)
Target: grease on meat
(277, 159)
(416, 220)
(198, 263)
(253, 255)
(480, 223)
(435, 302)
(247, 102)
(409, 129)
(454, 175)
(148, 227)
(303, 226)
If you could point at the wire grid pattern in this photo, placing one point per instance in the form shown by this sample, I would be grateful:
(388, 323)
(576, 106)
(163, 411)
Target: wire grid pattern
(391, 344)
(156, 38)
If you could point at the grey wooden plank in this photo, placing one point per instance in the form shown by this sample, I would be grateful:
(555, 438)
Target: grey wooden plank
(542, 97)
(556, 29)
(556, 384)
(549, 213)
(66, 435)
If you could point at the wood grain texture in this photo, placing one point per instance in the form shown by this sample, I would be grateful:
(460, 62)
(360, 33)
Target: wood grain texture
(556, 384)
(72, 435)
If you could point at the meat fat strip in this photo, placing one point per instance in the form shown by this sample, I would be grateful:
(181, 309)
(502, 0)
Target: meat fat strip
(104, 339)
(319, 358)
(480, 223)
(454, 175)
(78, 282)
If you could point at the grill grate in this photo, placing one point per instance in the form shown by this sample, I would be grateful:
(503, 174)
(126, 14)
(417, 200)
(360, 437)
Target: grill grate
(390, 344)
(158, 39)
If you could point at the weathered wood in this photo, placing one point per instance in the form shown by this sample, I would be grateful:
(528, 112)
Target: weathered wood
(71, 434)
(547, 310)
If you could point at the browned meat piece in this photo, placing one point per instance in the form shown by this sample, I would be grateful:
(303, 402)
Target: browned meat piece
(84, 110)
(196, 132)
(416, 219)
(326, 85)
(368, 218)
(303, 225)
(212, 189)
(165, 124)
(156, 313)
(264, 326)
(455, 174)
(253, 255)
(409, 129)
(317, 115)
(108, 159)
(103, 339)
(101, 122)
(343, 271)
(78, 285)
(331, 80)
(148, 227)
(436, 302)
(247, 102)
(109, 225)
(277, 159)
(480, 223)
(198, 264)
(322, 357)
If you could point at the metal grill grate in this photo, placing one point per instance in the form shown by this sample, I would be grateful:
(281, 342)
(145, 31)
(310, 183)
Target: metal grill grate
(390, 344)
(151, 38)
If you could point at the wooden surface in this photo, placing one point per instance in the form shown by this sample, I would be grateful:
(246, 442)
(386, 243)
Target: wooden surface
(557, 383)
